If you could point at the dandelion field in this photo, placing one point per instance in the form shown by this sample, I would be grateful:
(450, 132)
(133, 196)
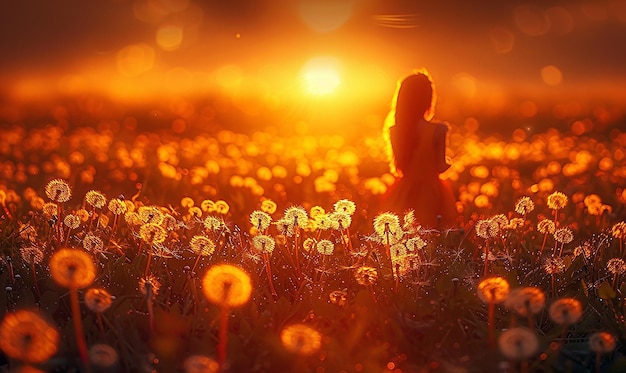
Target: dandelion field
(133, 246)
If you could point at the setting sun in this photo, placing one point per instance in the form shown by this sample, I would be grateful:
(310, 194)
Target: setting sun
(321, 76)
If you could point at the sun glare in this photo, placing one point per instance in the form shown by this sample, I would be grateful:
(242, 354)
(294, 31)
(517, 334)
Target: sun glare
(320, 76)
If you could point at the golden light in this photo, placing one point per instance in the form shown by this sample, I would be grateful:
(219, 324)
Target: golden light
(325, 16)
(321, 76)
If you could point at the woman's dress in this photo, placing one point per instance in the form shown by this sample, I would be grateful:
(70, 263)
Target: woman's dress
(419, 153)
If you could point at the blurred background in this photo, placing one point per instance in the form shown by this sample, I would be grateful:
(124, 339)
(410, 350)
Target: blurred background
(315, 65)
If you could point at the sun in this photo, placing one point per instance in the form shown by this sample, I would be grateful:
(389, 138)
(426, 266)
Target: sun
(321, 76)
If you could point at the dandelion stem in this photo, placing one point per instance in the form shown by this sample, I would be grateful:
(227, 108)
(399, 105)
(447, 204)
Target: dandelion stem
(34, 273)
(223, 337)
(78, 328)
(269, 273)
(491, 325)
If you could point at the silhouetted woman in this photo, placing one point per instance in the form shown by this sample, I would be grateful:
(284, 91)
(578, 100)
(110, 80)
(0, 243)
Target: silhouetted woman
(416, 148)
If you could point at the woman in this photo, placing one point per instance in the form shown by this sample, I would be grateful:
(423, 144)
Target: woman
(416, 147)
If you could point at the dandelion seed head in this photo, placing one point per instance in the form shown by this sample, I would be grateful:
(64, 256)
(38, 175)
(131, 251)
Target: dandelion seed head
(260, 220)
(487, 228)
(92, 243)
(187, 202)
(415, 243)
(202, 245)
(518, 343)
(195, 212)
(71, 221)
(616, 266)
(526, 301)
(619, 230)
(103, 356)
(602, 342)
(386, 223)
(323, 222)
(98, 299)
(554, 265)
(325, 247)
(493, 290)
(117, 206)
(296, 217)
(72, 268)
(515, 223)
(565, 311)
(149, 284)
(345, 206)
(95, 199)
(563, 235)
(524, 205)
(50, 209)
(58, 190)
(227, 285)
(584, 250)
(301, 339)
(309, 244)
(366, 276)
(340, 220)
(31, 254)
(26, 336)
(207, 206)
(152, 233)
(316, 211)
(263, 243)
(150, 215)
(212, 223)
(557, 201)
(546, 226)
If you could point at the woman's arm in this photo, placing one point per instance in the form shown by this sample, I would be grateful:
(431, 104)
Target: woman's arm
(441, 140)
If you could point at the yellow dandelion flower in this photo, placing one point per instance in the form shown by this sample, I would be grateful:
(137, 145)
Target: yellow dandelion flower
(268, 206)
(518, 343)
(95, 199)
(187, 202)
(325, 247)
(71, 221)
(98, 300)
(202, 245)
(82, 214)
(524, 205)
(150, 215)
(386, 223)
(26, 336)
(565, 311)
(117, 206)
(31, 254)
(301, 339)
(309, 244)
(149, 284)
(221, 207)
(557, 201)
(212, 223)
(616, 266)
(526, 301)
(72, 268)
(515, 223)
(152, 233)
(103, 356)
(345, 206)
(58, 191)
(563, 235)
(546, 226)
(493, 290)
(366, 276)
(619, 230)
(207, 205)
(315, 211)
(200, 364)
(602, 342)
(554, 265)
(260, 220)
(50, 209)
(263, 243)
(227, 285)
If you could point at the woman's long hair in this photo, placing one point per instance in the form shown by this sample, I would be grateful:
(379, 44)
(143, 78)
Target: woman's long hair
(414, 99)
